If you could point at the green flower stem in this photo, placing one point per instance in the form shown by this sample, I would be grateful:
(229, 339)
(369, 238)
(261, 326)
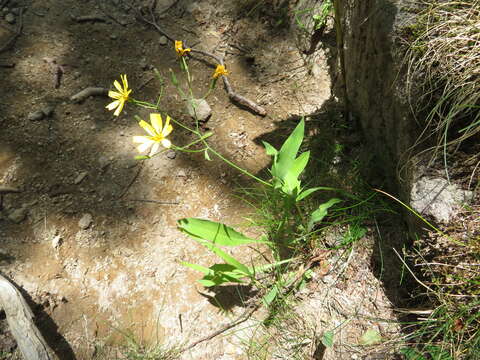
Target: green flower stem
(245, 172)
(144, 104)
(201, 139)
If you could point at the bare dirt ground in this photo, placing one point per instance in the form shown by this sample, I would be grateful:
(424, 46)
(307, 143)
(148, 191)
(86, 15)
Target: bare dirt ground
(79, 240)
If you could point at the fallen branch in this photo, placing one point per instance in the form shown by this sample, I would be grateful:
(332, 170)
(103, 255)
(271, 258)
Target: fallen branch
(30, 341)
(88, 18)
(233, 96)
(89, 91)
(17, 33)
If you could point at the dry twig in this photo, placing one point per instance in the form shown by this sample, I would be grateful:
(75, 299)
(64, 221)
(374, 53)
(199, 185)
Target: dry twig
(89, 91)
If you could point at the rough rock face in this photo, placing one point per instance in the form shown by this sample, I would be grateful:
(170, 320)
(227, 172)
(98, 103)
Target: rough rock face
(376, 89)
(375, 86)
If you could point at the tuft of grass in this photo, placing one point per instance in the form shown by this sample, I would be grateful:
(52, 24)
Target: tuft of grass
(444, 65)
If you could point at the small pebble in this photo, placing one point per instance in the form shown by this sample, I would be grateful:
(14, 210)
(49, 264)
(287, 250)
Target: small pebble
(85, 222)
(36, 115)
(48, 110)
(113, 37)
(56, 241)
(10, 18)
(80, 177)
(171, 154)
(163, 40)
(18, 215)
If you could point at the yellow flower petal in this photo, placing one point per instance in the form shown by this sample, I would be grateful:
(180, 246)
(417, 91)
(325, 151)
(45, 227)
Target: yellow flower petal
(117, 86)
(156, 120)
(168, 128)
(113, 105)
(140, 139)
(125, 81)
(114, 94)
(119, 108)
(147, 127)
(166, 143)
(144, 147)
(155, 148)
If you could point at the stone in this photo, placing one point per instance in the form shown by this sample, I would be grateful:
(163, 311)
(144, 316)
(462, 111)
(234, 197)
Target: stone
(10, 18)
(163, 40)
(18, 215)
(199, 109)
(57, 241)
(438, 198)
(48, 110)
(171, 154)
(85, 222)
(36, 115)
(80, 177)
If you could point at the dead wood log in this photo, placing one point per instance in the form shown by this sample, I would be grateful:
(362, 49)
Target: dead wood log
(20, 317)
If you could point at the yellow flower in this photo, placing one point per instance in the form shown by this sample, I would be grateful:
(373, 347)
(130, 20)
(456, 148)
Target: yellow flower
(220, 71)
(179, 48)
(120, 97)
(157, 134)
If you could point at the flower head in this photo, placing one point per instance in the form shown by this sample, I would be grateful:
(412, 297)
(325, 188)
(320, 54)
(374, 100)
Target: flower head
(220, 71)
(179, 48)
(157, 134)
(120, 97)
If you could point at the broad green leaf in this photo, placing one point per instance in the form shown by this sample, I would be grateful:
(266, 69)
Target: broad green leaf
(370, 337)
(308, 192)
(200, 268)
(217, 274)
(219, 278)
(208, 283)
(321, 212)
(227, 258)
(327, 338)
(271, 295)
(299, 164)
(288, 152)
(269, 149)
(215, 232)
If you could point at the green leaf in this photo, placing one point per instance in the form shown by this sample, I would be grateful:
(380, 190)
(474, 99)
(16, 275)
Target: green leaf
(142, 157)
(288, 152)
(226, 257)
(269, 149)
(310, 191)
(174, 78)
(215, 232)
(321, 212)
(370, 337)
(299, 164)
(200, 268)
(412, 354)
(271, 295)
(327, 338)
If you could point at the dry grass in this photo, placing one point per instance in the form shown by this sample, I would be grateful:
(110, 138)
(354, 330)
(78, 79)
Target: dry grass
(444, 64)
